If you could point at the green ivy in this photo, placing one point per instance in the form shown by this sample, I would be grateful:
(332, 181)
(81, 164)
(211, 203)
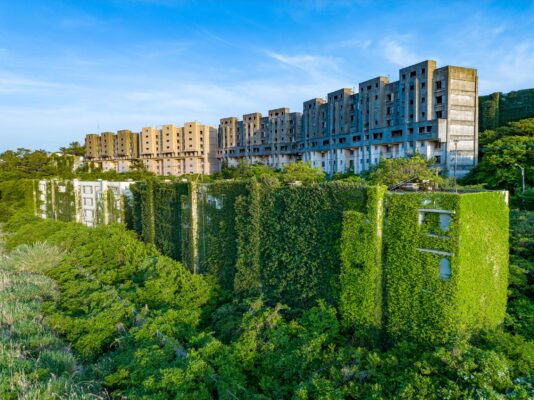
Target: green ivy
(217, 244)
(361, 268)
(483, 241)
(425, 306)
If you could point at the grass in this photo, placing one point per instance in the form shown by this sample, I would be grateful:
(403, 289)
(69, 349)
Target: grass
(34, 362)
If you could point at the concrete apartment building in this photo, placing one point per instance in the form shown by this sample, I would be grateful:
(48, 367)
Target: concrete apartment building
(269, 140)
(429, 110)
(171, 150)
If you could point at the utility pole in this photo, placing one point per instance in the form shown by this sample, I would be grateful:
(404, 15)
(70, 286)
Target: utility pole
(522, 177)
(455, 164)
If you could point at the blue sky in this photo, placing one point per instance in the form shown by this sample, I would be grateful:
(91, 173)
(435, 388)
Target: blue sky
(68, 68)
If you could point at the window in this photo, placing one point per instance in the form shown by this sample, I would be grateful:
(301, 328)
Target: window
(445, 269)
(438, 85)
(412, 74)
(445, 222)
(439, 114)
(422, 99)
(439, 99)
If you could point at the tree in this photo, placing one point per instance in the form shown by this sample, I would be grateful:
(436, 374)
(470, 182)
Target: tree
(138, 166)
(302, 172)
(74, 149)
(392, 171)
(498, 169)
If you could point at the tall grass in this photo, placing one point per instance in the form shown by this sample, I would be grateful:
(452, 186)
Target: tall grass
(34, 362)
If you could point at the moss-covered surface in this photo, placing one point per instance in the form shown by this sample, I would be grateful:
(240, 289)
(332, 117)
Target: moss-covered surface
(483, 260)
(424, 303)
(299, 231)
(420, 265)
(361, 268)
(217, 244)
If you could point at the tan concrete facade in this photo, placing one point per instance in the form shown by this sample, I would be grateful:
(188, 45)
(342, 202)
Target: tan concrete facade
(170, 150)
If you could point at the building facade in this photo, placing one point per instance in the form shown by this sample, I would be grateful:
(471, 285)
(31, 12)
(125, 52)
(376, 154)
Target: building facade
(498, 109)
(429, 110)
(170, 150)
(269, 140)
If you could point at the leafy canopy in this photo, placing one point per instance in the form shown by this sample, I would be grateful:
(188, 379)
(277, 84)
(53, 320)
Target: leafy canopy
(392, 171)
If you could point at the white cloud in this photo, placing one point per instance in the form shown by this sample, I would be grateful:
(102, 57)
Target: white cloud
(316, 67)
(397, 53)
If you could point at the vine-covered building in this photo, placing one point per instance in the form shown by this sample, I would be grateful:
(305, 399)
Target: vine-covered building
(423, 266)
(430, 110)
(498, 109)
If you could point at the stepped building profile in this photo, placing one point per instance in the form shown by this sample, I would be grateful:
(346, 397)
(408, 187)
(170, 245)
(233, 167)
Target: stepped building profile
(429, 110)
(170, 150)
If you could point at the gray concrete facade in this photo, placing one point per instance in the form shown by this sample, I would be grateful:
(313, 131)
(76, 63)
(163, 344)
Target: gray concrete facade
(429, 110)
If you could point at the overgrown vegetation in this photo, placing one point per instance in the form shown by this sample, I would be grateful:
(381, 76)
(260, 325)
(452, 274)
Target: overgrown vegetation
(34, 362)
(503, 150)
(146, 328)
(142, 326)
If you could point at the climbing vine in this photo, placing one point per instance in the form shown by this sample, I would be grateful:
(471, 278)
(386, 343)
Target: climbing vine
(436, 245)
(361, 266)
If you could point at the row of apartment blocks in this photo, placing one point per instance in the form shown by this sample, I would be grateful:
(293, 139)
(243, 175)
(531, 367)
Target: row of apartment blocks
(170, 150)
(429, 110)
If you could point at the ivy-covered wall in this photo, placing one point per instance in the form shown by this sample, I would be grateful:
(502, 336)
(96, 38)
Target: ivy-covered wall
(88, 202)
(498, 109)
(299, 239)
(483, 259)
(423, 266)
(361, 266)
(278, 241)
(446, 265)
(217, 244)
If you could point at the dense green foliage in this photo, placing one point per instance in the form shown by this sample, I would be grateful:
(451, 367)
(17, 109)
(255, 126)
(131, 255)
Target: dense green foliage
(361, 266)
(483, 229)
(299, 171)
(424, 302)
(34, 362)
(498, 109)
(393, 171)
(217, 244)
(502, 150)
(520, 316)
(148, 329)
(16, 195)
(274, 323)
(292, 231)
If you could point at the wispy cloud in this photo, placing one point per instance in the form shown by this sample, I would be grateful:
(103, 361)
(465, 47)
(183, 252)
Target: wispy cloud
(314, 65)
(397, 53)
